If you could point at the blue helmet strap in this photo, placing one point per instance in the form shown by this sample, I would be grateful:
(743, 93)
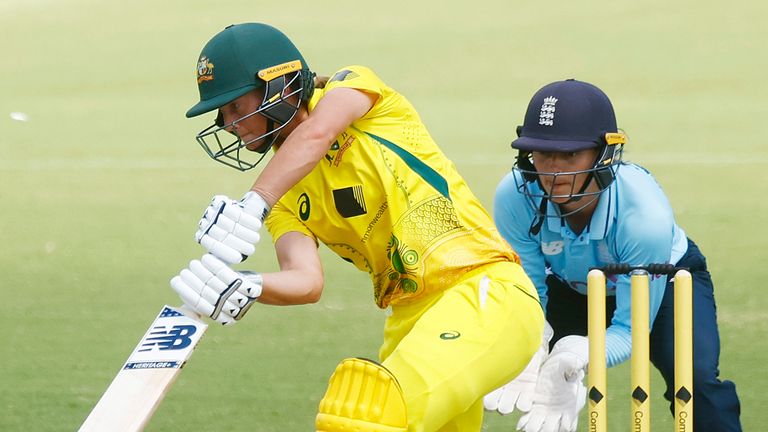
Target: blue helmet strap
(538, 221)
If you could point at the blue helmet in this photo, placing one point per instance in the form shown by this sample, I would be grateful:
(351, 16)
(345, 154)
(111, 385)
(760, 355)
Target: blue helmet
(568, 116)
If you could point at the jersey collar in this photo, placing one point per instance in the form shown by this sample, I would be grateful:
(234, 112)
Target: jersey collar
(599, 225)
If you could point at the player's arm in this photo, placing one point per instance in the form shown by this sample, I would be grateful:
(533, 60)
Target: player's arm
(212, 288)
(300, 279)
(643, 239)
(229, 228)
(310, 141)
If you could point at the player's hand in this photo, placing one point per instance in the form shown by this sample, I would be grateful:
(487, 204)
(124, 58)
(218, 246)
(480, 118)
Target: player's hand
(520, 391)
(211, 288)
(560, 391)
(229, 229)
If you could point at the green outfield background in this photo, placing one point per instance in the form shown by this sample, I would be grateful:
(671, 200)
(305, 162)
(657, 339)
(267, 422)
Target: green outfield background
(101, 188)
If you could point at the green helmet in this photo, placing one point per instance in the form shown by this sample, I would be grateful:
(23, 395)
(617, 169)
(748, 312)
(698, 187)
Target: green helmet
(231, 63)
(239, 59)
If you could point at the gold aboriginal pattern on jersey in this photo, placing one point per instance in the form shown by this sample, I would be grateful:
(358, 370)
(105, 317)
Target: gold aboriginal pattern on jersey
(429, 220)
(420, 227)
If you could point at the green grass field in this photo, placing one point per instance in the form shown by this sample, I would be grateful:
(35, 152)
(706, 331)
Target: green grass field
(102, 187)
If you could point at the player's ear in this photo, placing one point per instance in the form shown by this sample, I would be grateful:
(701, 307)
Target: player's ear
(321, 81)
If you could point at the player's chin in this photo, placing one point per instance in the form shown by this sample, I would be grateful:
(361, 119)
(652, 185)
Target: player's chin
(563, 189)
(260, 146)
(559, 197)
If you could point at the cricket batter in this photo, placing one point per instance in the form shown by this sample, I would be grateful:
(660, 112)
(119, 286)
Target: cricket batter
(355, 168)
(570, 204)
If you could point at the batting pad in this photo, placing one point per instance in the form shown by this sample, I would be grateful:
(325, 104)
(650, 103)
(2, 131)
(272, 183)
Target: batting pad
(362, 396)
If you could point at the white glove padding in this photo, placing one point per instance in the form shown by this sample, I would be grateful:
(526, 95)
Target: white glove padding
(560, 391)
(520, 391)
(229, 229)
(212, 289)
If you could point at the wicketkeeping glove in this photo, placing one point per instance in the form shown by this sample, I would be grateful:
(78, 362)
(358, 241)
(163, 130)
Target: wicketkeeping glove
(520, 391)
(211, 288)
(560, 391)
(229, 229)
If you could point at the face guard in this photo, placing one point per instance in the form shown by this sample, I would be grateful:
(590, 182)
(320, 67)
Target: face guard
(603, 172)
(282, 99)
(564, 117)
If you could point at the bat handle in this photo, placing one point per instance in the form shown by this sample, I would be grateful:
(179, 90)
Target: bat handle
(188, 311)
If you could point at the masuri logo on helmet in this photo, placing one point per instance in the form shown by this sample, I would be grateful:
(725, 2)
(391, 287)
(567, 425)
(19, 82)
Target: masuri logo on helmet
(279, 70)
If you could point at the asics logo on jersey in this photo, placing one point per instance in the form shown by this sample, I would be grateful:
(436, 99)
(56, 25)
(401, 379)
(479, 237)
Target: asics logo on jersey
(552, 248)
(304, 206)
(450, 335)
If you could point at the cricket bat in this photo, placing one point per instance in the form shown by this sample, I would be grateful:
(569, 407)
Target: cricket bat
(140, 385)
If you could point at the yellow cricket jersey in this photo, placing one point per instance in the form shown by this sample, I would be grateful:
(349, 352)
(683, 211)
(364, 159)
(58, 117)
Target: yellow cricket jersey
(386, 199)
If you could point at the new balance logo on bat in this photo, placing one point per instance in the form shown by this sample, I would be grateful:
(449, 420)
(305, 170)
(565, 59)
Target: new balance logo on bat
(167, 343)
(176, 338)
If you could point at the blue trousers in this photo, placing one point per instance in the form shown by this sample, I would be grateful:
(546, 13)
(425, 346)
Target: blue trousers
(716, 406)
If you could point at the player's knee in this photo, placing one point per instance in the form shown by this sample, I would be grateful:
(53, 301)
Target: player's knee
(362, 396)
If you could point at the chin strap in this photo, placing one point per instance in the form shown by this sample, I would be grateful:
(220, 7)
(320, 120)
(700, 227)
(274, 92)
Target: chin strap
(591, 176)
(578, 195)
(542, 213)
(539, 220)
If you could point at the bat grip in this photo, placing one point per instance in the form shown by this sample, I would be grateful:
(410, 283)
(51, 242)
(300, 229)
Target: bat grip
(188, 311)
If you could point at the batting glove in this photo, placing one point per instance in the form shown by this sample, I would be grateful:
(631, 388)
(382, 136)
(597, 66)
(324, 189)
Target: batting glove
(211, 288)
(229, 229)
(560, 391)
(520, 391)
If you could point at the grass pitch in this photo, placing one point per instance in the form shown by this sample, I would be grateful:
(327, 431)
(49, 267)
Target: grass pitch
(103, 184)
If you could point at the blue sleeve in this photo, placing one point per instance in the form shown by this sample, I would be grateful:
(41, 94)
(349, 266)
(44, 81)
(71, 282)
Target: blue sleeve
(618, 337)
(513, 216)
(644, 235)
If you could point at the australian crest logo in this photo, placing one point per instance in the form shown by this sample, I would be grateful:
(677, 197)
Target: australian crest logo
(204, 70)
(547, 115)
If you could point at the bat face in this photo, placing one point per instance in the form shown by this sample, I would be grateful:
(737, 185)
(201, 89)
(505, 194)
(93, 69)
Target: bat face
(168, 343)
(146, 377)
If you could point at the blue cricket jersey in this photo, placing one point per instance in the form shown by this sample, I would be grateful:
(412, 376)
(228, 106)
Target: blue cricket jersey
(633, 223)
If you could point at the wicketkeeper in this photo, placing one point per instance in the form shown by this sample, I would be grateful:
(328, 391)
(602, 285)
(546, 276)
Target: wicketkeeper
(570, 204)
(355, 168)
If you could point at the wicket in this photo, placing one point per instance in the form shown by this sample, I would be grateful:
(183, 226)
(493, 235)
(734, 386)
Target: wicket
(640, 361)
